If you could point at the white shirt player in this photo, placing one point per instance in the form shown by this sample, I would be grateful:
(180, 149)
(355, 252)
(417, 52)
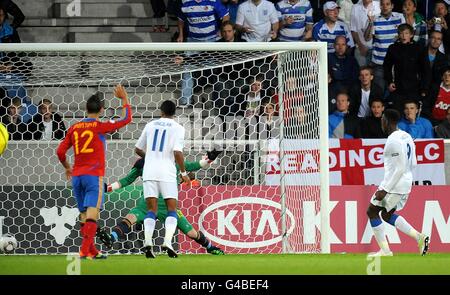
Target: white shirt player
(159, 140)
(399, 161)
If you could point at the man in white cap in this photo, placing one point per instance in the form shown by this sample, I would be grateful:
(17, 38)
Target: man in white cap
(330, 27)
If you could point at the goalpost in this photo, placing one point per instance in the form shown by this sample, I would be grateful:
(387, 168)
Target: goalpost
(264, 104)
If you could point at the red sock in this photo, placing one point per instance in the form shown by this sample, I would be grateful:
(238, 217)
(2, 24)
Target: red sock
(82, 228)
(87, 245)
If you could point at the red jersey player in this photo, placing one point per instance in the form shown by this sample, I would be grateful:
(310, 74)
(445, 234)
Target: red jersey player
(88, 141)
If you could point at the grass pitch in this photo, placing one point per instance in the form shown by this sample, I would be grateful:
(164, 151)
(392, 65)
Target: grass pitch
(228, 264)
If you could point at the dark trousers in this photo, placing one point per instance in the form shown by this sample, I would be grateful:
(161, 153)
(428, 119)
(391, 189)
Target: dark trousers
(159, 8)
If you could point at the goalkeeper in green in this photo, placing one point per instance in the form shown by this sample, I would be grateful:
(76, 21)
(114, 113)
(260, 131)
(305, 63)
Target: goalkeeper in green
(137, 214)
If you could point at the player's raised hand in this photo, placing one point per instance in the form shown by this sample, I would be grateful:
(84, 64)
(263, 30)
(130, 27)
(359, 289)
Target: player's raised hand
(120, 92)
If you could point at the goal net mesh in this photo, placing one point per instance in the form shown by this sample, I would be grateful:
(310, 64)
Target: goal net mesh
(261, 108)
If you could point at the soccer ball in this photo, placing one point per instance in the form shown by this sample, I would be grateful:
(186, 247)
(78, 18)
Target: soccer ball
(4, 137)
(7, 244)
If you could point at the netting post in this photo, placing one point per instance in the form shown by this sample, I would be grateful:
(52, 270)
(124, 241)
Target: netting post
(285, 243)
(1, 225)
(324, 151)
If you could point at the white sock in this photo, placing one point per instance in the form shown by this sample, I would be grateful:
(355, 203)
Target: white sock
(406, 228)
(381, 237)
(170, 226)
(149, 227)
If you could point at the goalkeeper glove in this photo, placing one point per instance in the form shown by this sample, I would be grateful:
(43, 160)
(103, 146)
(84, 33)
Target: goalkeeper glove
(212, 155)
(112, 187)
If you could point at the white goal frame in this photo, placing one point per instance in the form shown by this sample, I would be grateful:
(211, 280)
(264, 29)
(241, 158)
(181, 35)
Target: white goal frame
(320, 47)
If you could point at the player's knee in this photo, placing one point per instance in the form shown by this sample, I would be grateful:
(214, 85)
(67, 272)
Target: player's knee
(371, 212)
(192, 234)
(385, 216)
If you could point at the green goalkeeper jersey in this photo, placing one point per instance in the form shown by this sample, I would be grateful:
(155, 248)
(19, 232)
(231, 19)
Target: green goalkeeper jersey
(136, 172)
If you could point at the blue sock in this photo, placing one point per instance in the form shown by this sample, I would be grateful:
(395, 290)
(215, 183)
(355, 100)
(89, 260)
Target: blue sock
(173, 214)
(150, 214)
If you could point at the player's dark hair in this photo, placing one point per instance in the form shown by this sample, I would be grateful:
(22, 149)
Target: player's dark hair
(168, 107)
(94, 104)
(392, 116)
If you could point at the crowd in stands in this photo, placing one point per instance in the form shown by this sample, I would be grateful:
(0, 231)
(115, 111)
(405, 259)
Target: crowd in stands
(381, 54)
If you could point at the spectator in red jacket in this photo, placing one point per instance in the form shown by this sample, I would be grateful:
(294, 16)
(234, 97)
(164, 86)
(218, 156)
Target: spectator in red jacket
(442, 102)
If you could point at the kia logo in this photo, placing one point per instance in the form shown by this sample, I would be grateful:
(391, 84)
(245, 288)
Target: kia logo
(266, 218)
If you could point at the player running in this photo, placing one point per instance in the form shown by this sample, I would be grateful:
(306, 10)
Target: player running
(399, 161)
(88, 141)
(161, 144)
(137, 214)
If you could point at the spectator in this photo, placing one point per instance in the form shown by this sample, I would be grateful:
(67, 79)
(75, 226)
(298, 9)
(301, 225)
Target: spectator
(330, 27)
(255, 97)
(232, 6)
(416, 21)
(159, 12)
(9, 7)
(257, 20)
(342, 68)
(14, 67)
(202, 21)
(363, 93)
(403, 68)
(17, 129)
(443, 129)
(359, 18)
(434, 63)
(7, 32)
(440, 22)
(382, 29)
(416, 126)
(269, 120)
(228, 33)
(345, 11)
(426, 8)
(440, 99)
(47, 124)
(341, 124)
(371, 125)
(295, 20)
(317, 6)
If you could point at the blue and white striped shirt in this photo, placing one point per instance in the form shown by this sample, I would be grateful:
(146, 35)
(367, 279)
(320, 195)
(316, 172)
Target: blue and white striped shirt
(384, 34)
(202, 18)
(321, 32)
(301, 12)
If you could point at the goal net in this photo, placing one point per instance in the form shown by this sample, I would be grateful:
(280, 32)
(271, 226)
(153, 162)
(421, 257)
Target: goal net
(263, 105)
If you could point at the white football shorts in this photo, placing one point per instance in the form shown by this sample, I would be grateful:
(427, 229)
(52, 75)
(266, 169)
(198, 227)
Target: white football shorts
(152, 189)
(391, 201)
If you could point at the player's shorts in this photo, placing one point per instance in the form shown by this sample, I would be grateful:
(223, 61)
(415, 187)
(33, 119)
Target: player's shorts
(391, 201)
(89, 191)
(168, 190)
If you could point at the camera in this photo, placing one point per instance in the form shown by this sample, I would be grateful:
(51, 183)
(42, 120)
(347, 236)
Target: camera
(437, 20)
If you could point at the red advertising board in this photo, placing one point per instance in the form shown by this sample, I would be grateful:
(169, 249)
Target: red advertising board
(247, 219)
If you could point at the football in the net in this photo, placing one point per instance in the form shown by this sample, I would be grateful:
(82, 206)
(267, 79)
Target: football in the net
(7, 244)
(4, 137)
